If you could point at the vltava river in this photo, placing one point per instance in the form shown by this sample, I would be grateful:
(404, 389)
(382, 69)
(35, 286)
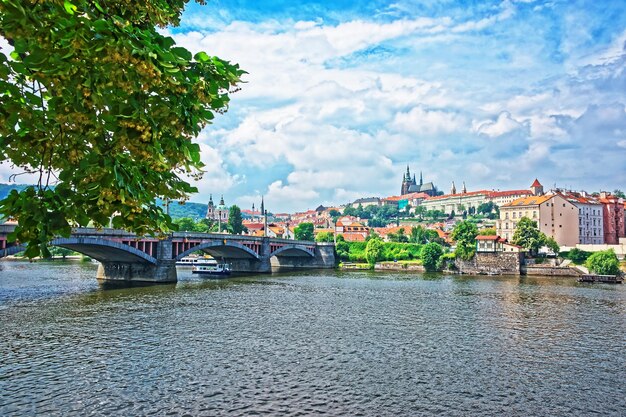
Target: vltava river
(309, 343)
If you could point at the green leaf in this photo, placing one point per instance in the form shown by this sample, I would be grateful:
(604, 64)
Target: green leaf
(202, 57)
(69, 7)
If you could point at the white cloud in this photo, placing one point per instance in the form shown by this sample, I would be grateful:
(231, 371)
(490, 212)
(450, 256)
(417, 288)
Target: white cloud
(502, 125)
(429, 122)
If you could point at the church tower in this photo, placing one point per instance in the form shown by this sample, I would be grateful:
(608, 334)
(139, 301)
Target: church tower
(210, 213)
(453, 189)
(406, 182)
(536, 187)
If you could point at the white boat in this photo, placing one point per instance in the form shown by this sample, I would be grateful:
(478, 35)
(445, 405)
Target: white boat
(218, 269)
(196, 260)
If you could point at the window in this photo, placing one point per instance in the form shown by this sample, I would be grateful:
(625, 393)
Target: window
(514, 216)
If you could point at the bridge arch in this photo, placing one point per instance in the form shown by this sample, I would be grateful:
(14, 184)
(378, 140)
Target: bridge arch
(12, 250)
(293, 250)
(99, 249)
(104, 250)
(222, 249)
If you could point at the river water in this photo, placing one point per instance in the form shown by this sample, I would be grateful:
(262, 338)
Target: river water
(309, 343)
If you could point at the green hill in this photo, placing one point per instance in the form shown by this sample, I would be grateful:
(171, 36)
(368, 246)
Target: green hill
(5, 189)
(193, 210)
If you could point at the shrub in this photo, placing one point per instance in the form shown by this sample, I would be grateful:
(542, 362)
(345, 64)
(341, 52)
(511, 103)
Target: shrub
(577, 256)
(431, 252)
(603, 263)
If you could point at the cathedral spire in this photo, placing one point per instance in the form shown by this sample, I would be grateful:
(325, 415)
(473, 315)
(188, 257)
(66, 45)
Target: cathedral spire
(222, 200)
(464, 190)
(210, 199)
(408, 173)
(421, 179)
(262, 206)
(453, 189)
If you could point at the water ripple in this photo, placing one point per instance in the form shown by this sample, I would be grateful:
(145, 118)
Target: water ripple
(308, 344)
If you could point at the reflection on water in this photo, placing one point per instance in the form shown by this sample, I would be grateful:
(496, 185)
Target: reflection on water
(320, 342)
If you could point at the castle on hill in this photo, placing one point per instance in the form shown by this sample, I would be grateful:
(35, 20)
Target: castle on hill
(409, 185)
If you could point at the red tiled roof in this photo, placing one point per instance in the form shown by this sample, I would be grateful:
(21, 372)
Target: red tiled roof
(509, 193)
(353, 237)
(470, 193)
(409, 196)
(536, 183)
(488, 237)
(253, 226)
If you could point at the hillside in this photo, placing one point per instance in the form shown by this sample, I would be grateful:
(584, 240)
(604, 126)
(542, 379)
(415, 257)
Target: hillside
(5, 189)
(193, 210)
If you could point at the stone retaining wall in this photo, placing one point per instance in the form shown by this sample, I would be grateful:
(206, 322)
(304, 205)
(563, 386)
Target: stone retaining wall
(399, 266)
(491, 263)
(551, 271)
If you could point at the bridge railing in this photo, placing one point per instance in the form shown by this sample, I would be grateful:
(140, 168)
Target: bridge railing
(118, 233)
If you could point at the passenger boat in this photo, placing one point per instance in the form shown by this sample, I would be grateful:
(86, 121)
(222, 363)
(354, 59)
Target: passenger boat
(196, 260)
(218, 269)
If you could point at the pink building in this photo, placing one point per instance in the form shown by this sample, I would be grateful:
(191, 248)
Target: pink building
(613, 218)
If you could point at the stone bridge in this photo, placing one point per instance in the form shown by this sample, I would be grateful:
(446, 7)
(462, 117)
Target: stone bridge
(124, 256)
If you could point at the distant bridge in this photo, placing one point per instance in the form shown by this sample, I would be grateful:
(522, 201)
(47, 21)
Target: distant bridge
(124, 256)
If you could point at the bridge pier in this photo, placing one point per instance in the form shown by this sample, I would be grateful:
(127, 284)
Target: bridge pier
(324, 258)
(164, 271)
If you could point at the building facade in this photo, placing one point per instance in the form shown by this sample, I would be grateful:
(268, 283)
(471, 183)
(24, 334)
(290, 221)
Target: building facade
(613, 218)
(410, 185)
(456, 203)
(555, 216)
(219, 212)
(590, 219)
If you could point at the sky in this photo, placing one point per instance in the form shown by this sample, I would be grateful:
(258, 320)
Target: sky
(340, 96)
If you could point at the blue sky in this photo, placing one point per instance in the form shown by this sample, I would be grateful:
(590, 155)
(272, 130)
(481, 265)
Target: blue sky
(342, 95)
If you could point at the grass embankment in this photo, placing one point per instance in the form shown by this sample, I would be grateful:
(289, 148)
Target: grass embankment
(391, 252)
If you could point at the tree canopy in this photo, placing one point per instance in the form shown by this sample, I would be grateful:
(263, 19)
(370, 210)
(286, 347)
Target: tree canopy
(431, 252)
(464, 234)
(373, 251)
(603, 263)
(102, 108)
(304, 231)
(528, 236)
(324, 237)
(235, 222)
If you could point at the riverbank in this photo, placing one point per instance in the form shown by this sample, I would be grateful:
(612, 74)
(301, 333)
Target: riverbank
(408, 266)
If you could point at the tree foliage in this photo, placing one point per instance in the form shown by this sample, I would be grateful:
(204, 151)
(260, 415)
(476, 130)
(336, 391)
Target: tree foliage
(603, 263)
(374, 251)
(464, 234)
(577, 256)
(324, 237)
(235, 222)
(552, 244)
(431, 252)
(102, 108)
(528, 236)
(304, 231)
